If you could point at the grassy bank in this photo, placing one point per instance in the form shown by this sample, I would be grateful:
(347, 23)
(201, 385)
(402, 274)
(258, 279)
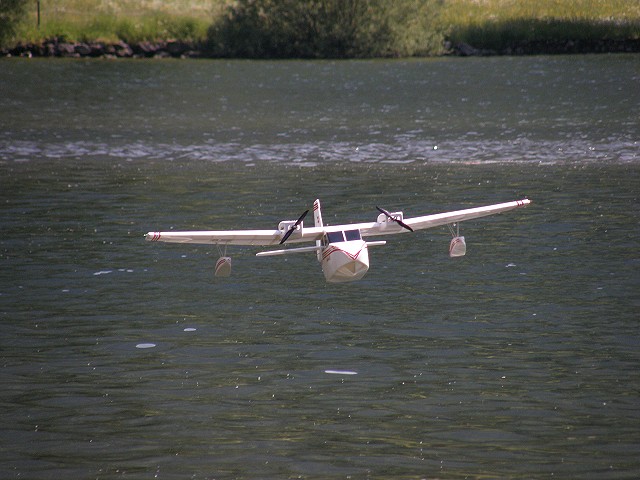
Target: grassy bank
(118, 20)
(490, 25)
(502, 24)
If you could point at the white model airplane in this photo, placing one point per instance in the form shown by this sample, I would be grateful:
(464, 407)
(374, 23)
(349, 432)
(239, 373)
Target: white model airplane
(340, 249)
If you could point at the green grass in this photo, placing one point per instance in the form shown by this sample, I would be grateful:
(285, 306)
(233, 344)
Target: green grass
(491, 24)
(107, 28)
(114, 20)
(472, 12)
(496, 24)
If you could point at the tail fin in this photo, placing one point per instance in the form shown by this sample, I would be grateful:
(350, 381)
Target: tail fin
(317, 218)
(317, 214)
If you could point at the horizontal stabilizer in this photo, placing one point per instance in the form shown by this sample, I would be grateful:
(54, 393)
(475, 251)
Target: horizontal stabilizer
(376, 244)
(286, 251)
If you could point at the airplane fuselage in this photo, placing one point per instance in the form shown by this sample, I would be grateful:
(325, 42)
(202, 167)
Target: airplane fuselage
(345, 261)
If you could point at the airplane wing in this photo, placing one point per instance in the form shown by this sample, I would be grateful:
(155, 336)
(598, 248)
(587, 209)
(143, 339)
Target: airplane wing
(434, 220)
(273, 237)
(429, 221)
(232, 237)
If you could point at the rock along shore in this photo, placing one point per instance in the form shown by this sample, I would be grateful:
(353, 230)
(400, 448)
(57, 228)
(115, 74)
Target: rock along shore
(181, 49)
(57, 48)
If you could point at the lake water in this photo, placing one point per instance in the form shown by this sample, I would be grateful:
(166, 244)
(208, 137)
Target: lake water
(125, 359)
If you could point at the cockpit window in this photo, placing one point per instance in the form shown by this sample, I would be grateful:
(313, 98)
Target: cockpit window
(334, 237)
(352, 235)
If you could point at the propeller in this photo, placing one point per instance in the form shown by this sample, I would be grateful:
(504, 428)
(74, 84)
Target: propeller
(391, 217)
(293, 227)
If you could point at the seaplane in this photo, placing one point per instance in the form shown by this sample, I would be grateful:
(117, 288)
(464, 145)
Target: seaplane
(341, 250)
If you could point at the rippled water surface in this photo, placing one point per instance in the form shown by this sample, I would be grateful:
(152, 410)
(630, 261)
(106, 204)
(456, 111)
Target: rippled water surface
(125, 359)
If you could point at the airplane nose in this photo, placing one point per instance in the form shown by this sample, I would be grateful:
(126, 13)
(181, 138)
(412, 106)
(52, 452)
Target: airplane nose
(347, 263)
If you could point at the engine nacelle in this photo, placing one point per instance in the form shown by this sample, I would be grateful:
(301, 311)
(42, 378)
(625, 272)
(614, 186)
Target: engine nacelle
(285, 225)
(382, 218)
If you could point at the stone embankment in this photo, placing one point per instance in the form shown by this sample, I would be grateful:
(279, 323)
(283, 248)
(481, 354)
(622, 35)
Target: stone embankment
(180, 49)
(58, 48)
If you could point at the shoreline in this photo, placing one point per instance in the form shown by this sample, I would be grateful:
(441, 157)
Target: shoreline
(55, 48)
(145, 49)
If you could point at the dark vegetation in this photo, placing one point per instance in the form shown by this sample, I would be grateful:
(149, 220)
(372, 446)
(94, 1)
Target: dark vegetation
(11, 12)
(326, 29)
